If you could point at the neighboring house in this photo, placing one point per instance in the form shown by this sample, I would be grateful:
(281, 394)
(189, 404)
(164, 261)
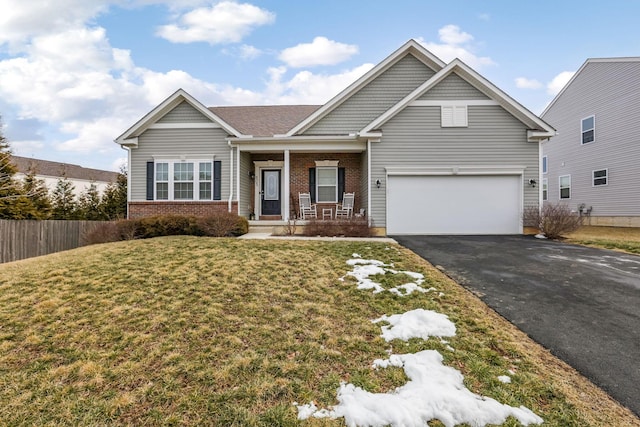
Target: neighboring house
(50, 172)
(427, 147)
(592, 164)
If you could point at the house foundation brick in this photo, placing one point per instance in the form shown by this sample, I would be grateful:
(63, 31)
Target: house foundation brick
(144, 209)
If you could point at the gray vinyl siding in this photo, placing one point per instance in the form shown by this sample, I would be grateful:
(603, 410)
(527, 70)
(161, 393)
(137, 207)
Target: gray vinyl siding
(191, 143)
(245, 201)
(184, 113)
(451, 88)
(374, 99)
(610, 92)
(415, 138)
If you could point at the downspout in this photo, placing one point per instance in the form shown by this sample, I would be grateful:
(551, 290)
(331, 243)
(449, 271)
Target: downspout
(369, 182)
(128, 176)
(229, 203)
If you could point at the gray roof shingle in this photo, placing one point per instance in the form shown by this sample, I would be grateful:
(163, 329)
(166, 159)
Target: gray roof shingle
(264, 120)
(57, 169)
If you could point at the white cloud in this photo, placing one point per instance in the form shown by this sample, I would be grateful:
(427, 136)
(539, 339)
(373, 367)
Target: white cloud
(81, 92)
(558, 82)
(451, 34)
(484, 17)
(321, 51)
(525, 83)
(249, 52)
(21, 19)
(224, 22)
(306, 87)
(455, 43)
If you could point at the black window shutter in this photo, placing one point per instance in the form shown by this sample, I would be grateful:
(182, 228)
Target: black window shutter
(149, 180)
(341, 186)
(217, 180)
(312, 184)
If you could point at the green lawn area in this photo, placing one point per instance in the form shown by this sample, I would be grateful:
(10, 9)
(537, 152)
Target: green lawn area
(625, 239)
(202, 331)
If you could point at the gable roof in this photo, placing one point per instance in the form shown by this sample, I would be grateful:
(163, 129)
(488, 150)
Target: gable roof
(264, 120)
(57, 169)
(410, 47)
(485, 86)
(612, 61)
(167, 105)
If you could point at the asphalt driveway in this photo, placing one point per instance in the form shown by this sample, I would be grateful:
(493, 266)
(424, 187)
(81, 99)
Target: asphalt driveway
(581, 303)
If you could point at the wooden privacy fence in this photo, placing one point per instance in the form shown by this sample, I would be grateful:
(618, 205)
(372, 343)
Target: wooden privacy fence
(26, 239)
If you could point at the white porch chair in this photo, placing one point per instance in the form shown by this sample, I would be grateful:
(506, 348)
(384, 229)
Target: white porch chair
(307, 209)
(345, 209)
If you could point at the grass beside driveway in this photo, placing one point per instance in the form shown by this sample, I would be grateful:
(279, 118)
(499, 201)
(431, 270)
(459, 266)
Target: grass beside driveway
(200, 331)
(618, 238)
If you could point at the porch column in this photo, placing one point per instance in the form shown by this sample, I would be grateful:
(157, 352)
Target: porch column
(287, 181)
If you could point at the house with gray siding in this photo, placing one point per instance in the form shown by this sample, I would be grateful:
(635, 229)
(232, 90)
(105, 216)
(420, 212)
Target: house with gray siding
(592, 164)
(427, 148)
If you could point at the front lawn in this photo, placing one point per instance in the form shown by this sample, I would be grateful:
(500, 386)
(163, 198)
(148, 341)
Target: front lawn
(625, 239)
(200, 331)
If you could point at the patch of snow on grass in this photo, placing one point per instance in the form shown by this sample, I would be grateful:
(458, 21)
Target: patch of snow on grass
(417, 323)
(434, 391)
(363, 268)
(504, 379)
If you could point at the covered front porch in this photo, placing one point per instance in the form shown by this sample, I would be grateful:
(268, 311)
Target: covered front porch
(270, 177)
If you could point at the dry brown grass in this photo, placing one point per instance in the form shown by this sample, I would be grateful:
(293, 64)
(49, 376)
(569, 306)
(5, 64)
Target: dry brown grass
(619, 238)
(199, 331)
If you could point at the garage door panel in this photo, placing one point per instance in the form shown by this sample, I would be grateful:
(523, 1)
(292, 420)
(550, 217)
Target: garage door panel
(453, 205)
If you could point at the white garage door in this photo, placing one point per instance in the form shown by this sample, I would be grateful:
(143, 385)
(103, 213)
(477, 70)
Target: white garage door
(454, 204)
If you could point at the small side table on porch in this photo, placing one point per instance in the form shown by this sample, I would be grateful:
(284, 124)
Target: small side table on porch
(327, 213)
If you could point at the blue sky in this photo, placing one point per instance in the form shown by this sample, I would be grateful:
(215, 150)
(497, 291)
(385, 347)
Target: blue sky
(75, 74)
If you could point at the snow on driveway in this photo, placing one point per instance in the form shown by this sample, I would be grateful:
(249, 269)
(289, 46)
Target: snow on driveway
(434, 391)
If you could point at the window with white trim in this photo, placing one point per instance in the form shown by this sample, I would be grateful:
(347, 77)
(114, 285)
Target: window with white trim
(588, 129)
(178, 180)
(565, 186)
(162, 181)
(183, 181)
(600, 177)
(327, 185)
(453, 116)
(205, 179)
(545, 189)
(544, 164)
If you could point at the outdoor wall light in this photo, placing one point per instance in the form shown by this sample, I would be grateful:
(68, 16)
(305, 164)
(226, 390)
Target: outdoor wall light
(378, 183)
(252, 174)
(532, 182)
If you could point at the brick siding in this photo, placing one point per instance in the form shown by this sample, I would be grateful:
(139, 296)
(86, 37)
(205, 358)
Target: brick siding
(299, 168)
(143, 209)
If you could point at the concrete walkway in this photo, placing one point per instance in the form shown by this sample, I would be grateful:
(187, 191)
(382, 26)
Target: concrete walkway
(265, 236)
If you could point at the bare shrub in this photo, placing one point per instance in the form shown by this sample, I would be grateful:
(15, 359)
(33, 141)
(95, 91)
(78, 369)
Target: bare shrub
(101, 233)
(352, 227)
(223, 224)
(553, 220)
(290, 227)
